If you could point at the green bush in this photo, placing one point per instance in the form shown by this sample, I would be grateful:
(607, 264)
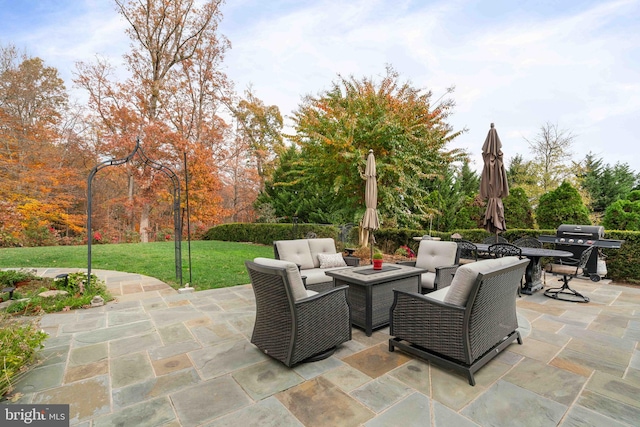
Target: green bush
(11, 277)
(624, 214)
(561, 206)
(19, 341)
(518, 211)
(266, 233)
(622, 264)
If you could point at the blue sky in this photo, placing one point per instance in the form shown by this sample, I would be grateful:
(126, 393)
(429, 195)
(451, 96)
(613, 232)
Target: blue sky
(518, 64)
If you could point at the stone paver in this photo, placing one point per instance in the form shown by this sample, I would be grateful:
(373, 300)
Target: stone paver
(155, 357)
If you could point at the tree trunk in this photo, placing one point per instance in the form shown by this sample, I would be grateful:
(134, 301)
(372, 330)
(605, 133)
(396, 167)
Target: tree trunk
(144, 223)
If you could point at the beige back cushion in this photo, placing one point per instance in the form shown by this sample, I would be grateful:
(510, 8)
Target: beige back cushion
(434, 253)
(293, 275)
(296, 251)
(465, 277)
(325, 245)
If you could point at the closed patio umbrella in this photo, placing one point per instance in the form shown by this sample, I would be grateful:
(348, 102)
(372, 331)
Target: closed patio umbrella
(370, 220)
(493, 183)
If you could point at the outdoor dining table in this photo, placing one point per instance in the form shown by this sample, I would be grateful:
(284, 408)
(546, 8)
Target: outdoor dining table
(533, 273)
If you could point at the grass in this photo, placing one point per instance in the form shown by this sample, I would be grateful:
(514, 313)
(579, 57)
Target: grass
(214, 264)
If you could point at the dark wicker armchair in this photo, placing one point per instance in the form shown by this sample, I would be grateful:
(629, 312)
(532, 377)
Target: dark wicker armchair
(292, 324)
(500, 250)
(490, 240)
(464, 326)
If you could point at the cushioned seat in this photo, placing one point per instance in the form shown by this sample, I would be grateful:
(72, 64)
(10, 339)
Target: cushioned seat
(465, 325)
(294, 324)
(313, 257)
(439, 259)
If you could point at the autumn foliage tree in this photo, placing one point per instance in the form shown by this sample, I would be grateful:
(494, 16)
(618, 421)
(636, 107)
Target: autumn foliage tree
(35, 174)
(171, 100)
(335, 130)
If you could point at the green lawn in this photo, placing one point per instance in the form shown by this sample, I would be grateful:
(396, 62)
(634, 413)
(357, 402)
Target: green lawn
(214, 264)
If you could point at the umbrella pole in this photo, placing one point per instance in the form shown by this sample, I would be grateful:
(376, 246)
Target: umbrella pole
(371, 244)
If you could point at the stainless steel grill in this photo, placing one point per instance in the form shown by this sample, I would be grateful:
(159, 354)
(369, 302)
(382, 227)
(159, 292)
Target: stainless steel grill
(577, 238)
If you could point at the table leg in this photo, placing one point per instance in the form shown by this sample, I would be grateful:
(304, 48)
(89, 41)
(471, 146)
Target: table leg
(532, 276)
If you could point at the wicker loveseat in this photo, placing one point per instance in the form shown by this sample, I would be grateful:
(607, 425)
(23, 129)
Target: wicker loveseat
(309, 255)
(465, 325)
(294, 324)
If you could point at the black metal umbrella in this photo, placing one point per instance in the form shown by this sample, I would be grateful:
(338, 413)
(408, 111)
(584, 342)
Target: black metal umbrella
(493, 183)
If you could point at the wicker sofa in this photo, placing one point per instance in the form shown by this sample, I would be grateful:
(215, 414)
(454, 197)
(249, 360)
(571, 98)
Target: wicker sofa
(313, 257)
(466, 324)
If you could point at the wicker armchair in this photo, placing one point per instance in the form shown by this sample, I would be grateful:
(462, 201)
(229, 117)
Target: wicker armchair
(464, 326)
(439, 259)
(500, 250)
(293, 324)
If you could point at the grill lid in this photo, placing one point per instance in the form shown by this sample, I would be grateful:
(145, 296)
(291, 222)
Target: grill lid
(592, 232)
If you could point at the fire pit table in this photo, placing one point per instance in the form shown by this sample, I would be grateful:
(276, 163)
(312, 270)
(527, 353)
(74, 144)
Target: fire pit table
(370, 292)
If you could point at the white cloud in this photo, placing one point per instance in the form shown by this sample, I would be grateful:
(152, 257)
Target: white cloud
(517, 65)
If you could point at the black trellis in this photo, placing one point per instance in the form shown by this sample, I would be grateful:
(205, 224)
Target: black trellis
(177, 222)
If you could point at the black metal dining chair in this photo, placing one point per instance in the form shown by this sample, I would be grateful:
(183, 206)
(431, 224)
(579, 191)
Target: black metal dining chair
(499, 250)
(490, 240)
(568, 273)
(467, 251)
(528, 242)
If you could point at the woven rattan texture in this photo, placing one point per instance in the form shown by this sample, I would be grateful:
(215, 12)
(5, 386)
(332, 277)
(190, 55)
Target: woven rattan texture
(441, 328)
(293, 331)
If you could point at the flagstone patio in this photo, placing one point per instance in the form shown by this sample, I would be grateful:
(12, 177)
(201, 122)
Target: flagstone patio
(158, 358)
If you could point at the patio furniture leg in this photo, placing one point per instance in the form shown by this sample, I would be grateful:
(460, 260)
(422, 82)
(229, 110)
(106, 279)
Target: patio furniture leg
(565, 293)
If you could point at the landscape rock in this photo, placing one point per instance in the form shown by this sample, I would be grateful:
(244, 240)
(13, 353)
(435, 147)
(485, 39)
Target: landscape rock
(97, 301)
(53, 293)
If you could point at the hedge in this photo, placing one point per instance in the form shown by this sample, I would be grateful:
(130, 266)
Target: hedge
(623, 264)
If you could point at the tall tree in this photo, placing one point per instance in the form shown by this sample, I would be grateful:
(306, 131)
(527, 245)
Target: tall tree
(171, 99)
(468, 180)
(260, 126)
(34, 175)
(551, 148)
(406, 131)
(604, 183)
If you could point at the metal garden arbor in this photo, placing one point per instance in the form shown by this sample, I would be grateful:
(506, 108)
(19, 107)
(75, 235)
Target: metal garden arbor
(177, 222)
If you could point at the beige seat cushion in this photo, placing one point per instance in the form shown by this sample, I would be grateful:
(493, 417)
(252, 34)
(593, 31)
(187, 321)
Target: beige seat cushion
(434, 253)
(324, 245)
(293, 275)
(465, 277)
(296, 251)
(428, 280)
(331, 260)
